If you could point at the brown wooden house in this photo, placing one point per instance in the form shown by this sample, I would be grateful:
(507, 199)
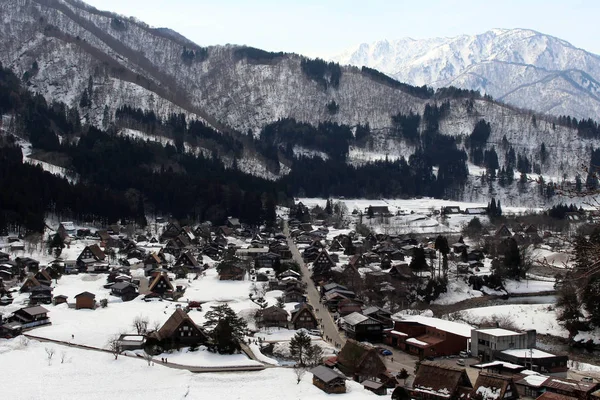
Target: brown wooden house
(178, 330)
(322, 267)
(437, 381)
(93, 252)
(60, 299)
(85, 300)
(161, 284)
(230, 272)
(493, 386)
(304, 317)
(30, 282)
(272, 316)
(328, 380)
(43, 277)
(41, 294)
(360, 361)
(125, 290)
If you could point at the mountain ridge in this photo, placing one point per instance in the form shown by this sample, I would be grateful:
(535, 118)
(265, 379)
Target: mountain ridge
(457, 61)
(240, 90)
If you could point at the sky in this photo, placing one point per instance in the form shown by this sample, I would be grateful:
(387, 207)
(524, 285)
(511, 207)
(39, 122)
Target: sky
(328, 27)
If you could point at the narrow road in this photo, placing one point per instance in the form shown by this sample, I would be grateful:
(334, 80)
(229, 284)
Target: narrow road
(328, 326)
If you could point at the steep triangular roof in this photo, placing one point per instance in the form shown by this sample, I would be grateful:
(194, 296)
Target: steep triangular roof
(493, 386)
(97, 252)
(356, 356)
(157, 279)
(441, 379)
(302, 307)
(176, 319)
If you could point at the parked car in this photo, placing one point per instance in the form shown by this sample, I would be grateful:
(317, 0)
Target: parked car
(315, 332)
(463, 354)
(460, 362)
(587, 379)
(385, 352)
(430, 358)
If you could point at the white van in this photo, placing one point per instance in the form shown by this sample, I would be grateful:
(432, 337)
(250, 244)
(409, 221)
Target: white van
(463, 354)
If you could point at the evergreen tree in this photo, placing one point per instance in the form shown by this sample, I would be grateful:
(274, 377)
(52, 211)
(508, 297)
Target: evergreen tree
(300, 345)
(569, 308)
(227, 330)
(419, 261)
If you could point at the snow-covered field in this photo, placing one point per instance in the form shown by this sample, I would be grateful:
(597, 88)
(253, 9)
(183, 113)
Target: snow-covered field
(541, 317)
(411, 215)
(93, 375)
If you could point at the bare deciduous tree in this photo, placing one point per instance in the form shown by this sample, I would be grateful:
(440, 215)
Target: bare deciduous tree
(50, 353)
(114, 346)
(299, 372)
(140, 324)
(63, 357)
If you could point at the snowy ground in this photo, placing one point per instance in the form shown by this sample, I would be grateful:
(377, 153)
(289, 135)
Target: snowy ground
(96, 327)
(92, 375)
(541, 317)
(410, 216)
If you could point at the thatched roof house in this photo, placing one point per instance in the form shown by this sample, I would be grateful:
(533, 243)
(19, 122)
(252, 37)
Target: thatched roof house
(439, 381)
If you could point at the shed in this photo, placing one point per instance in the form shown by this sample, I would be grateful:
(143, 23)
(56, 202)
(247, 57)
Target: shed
(328, 380)
(85, 300)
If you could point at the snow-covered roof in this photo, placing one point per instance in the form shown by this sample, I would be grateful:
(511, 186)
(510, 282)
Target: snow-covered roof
(527, 353)
(417, 342)
(355, 318)
(535, 380)
(499, 364)
(456, 328)
(498, 332)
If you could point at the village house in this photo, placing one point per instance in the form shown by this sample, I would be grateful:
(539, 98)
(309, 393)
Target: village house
(351, 277)
(178, 330)
(28, 264)
(322, 267)
(379, 314)
(435, 381)
(60, 299)
(41, 294)
(172, 230)
(92, 259)
(125, 290)
(85, 300)
(29, 282)
(293, 294)
(349, 306)
(535, 359)
(570, 387)
(361, 361)
(229, 271)
(492, 386)
(484, 342)
(425, 336)
(30, 317)
(361, 328)
(129, 342)
(43, 277)
(272, 316)
(378, 388)
(304, 317)
(160, 284)
(152, 261)
(328, 380)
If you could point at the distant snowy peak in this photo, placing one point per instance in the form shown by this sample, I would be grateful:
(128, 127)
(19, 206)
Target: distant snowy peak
(492, 62)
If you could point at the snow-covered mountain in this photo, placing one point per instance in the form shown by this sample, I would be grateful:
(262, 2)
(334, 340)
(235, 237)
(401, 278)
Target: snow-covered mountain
(65, 47)
(521, 67)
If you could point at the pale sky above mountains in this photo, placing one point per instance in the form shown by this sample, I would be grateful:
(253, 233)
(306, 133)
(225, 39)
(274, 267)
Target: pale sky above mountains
(327, 27)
